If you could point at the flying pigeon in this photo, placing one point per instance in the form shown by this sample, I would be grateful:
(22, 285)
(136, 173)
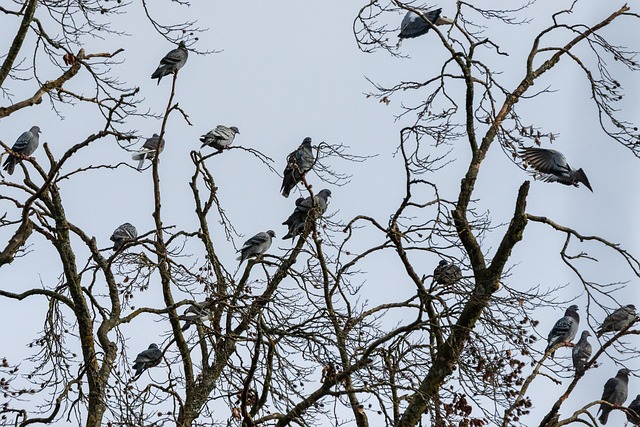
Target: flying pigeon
(172, 62)
(552, 166)
(564, 330)
(25, 145)
(257, 245)
(298, 218)
(581, 352)
(615, 392)
(219, 138)
(299, 162)
(618, 320)
(126, 232)
(195, 313)
(148, 150)
(147, 359)
(413, 25)
(446, 273)
(635, 407)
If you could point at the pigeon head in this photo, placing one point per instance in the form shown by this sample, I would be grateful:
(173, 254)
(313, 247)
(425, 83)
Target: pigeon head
(182, 45)
(234, 129)
(35, 129)
(586, 334)
(154, 345)
(624, 372)
(324, 193)
(580, 176)
(443, 263)
(572, 308)
(630, 307)
(443, 20)
(271, 233)
(306, 141)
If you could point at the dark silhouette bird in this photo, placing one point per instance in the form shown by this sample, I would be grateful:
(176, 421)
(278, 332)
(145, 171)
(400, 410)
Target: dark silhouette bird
(195, 313)
(125, 233)
(618, 320)
(257, 245)
(581, 352)
(172, 62)
(564, 330)
(219, 138)
(298, 218)
(148, 150)
(414, 25)
(147, 359)
(24, 146)
(635, 407)
(552, 166)
(299, 162)
(446, 273)
(615, 392)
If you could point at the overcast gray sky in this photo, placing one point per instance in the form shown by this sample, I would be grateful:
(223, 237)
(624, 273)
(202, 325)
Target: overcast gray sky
(288, 70)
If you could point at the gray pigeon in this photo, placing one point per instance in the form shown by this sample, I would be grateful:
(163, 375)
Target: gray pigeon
(581, 352)
(125, 233)
(446, 273)
(25, 146)
(299, 162)
(413, 25)
(298, 218)
(147, 359)
(195, 313)
(618, 320)
(564, 330)
(172, 62)
(148, 150)
(552, 166)
(257, 245)
(635, 407)
(219, 138)
(615, 392)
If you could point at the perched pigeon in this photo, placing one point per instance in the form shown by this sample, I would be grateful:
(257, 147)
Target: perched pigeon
(413, 25)
(195, 314)
(635, 407)
(126, 232)
(581, 352)
(25, 146)
(172, 62)
(615, 392)
(299, 162)
(564, 330)
(147, 359)
(219, 138)
(446, 273)
(257, 245)
(618, 320)
(552, 167)
(148, 150)
(298, 218)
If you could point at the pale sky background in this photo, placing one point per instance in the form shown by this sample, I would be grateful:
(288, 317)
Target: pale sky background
(288, 70)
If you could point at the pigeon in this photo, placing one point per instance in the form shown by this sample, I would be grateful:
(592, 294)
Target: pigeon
(447, 273)
(147, 359)
(618, 320)
(581, 352)
(195, 313)
(552, 166)
(299, 162)
(126, 232)
(172, 62)
(413, 25)
(298, 218)
(615, 392)
(25, 145)
(257, 245)
(219, 138)
(635, 407)
(564, 330)
(148, 150)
